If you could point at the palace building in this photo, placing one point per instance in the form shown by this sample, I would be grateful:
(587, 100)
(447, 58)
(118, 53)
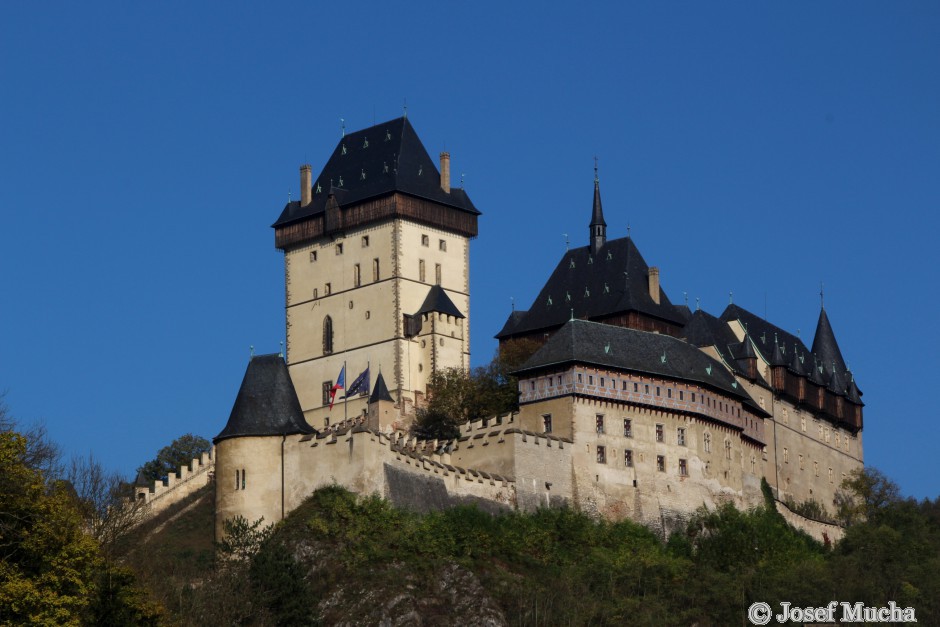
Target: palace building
(630, 406)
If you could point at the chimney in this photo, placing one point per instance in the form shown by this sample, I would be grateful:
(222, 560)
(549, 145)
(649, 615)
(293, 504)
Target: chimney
(654, 284)
(306, 185)
(445, 172)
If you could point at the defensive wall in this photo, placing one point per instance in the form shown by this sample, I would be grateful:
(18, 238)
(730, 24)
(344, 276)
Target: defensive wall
(162, 494)
(821, 531)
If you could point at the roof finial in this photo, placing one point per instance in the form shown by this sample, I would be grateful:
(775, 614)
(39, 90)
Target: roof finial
(342, 125)
(281, 353)
(686, 296)
(628, 230)
(405, 108)
(596, 180)
(572, 313)
(730, 298)
(461, 179)
(698, 305)
(251, 351)
(512, 302)
(567, 243)
(822, 294)
(288, 196)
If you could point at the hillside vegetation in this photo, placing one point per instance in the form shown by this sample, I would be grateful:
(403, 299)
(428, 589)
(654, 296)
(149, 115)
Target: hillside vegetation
(340, 559)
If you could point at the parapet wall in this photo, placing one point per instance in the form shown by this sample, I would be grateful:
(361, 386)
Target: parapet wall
(821, 531)
(161, 495)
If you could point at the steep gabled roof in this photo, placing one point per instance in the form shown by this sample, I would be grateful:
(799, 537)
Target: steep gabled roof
(380, 391)
(764, 334)
(592, 343)
(612, 282)
(266, 403)
(511, 322)
(382, 159)
(438, 300)
(704, 329)
(825, 345)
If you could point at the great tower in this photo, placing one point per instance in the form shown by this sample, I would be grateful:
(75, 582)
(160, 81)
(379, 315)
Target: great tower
(376, 272)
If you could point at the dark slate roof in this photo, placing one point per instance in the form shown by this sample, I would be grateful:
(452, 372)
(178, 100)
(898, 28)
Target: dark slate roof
(764, 333)
(595, 286)
(621, 348)
(382, 159)
(438, 300)
(514, 318)
(704, 329)
(266, 403)
(825, 345)
(597, 211)
(380, 391)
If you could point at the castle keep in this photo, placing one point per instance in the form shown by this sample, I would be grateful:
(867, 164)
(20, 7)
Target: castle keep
(630, 406)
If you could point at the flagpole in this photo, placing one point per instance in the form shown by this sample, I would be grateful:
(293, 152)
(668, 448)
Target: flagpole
(345, 396)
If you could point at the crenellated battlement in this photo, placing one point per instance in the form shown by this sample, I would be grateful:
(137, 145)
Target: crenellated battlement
(162, 494)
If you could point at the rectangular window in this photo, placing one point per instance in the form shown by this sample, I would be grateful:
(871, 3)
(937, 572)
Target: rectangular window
(661, 463)
(547, 423)
(647, 388)
(707, 438)
(425, 240)
(681, 395)
(365, 241)
(727, 449)
(326, 289)
(803, 423)
(693, 397)
(668, 392)
(627, 428)
(801, 462)
(238, 480)
(624, 386)
(659, 433)
(786, 455)
(437, 274)
(599, 423)
(580, 379)
(601, 455)
(357, 276)
(816, 468)
(590, 379)
(827, 436)
(375, 270)
(602, 381)
(313, 256)
(680, 436)
(339, 249)
(657, 391)
(316, 293)
(442, 245)
(830, 476)
(636, 387)
(628, 458)
(421, 275)
(327, 388)
(683, 468)
(243, 477)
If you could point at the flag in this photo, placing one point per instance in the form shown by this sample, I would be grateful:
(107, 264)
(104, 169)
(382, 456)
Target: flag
(339, 385)
(360, 385)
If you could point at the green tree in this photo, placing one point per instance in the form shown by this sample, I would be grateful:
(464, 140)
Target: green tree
(180, 452)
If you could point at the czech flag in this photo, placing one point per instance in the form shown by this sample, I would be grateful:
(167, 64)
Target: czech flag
(339, 385)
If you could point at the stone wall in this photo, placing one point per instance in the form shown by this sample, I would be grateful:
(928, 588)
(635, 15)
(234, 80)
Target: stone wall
(161, 495)
(821, 531)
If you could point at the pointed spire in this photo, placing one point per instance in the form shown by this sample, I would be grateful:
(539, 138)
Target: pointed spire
(380, 391)
(598, 225)
(825, 345)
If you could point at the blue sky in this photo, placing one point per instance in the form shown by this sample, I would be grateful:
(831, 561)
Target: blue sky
(754, 148)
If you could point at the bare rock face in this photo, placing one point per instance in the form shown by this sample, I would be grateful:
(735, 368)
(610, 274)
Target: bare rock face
(447, 595)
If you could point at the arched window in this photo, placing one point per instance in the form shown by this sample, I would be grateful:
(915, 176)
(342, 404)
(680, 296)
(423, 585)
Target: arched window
(327, 335)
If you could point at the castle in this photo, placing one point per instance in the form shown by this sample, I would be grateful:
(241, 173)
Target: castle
(630, 406)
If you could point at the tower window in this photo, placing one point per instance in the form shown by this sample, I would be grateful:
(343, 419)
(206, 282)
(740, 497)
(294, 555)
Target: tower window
(437, 274)
(599, 423)
(708, 442)
(628, 458)
(421, 275)
(327, 335)
(659, 433)
(601, 455)
(680, 436)
(327, 388)
(327, 289)
(442, 245)
(627, 428)
(243, 477)
(375, 269)
(357, 276)
(661, 463)
(339, 249)
(425, 240)
(365, 241)
(313, 256)
(547, 423)
(683, 468)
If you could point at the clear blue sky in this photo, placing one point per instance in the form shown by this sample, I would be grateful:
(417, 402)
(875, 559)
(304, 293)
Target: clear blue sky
(759, 148)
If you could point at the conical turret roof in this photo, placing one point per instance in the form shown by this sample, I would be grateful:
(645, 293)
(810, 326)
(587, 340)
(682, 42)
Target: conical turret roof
(267, 402)
(380, 391)
(824, 344)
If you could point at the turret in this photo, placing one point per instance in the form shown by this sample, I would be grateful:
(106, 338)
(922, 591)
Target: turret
(598, 225)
